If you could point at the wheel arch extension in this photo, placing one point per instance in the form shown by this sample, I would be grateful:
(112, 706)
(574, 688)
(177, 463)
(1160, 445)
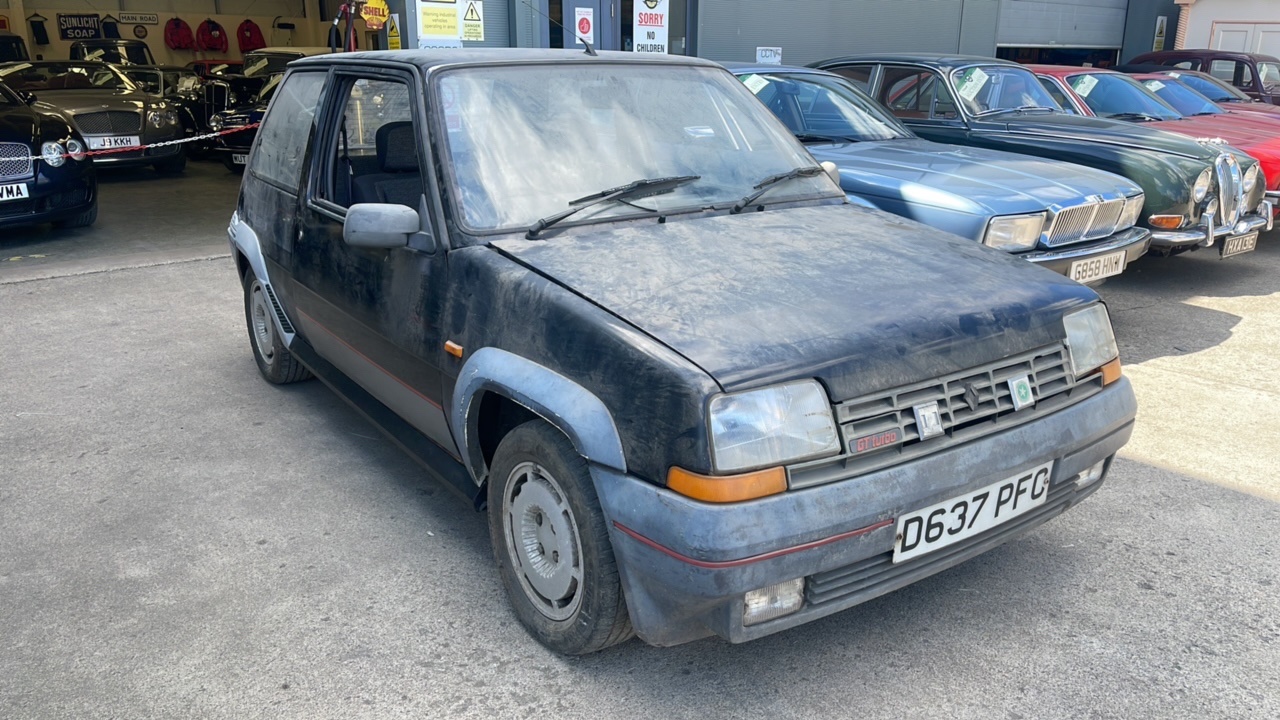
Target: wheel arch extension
(498, 390)
(248, 256)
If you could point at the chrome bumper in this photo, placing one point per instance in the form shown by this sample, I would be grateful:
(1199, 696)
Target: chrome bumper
(1207, 232)
(1123, 240)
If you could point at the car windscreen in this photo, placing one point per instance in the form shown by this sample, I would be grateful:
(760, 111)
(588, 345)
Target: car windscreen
(1210, 87)
(8, 98)
(1269, 74)
(262, 65)
(268, 89)
(1182, 98)
(992, 88)
(150, 80)
(817, 106)
(1116, 95)
(524, 141)
(36, 77)
(119, 54)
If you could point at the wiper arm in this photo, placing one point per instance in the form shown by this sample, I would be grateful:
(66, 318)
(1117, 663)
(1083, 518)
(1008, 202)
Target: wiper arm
(819, 137)
(1143, 117)
(768, 183)
(1020, 108)
(643, 188)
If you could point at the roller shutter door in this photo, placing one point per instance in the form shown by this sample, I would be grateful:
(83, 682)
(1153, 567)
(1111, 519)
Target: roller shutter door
(1062, 23)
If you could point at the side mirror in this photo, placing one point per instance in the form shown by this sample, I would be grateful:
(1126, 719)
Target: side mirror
(27, 97)
(380, 225)
(833, 170)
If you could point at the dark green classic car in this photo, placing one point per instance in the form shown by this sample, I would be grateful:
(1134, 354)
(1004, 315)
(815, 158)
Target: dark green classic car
(1197, 191)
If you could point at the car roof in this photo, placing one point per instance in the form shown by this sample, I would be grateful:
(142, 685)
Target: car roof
(1210, 53)
(284, 50)
(434, 58)
(939, 60)
(1061, 70)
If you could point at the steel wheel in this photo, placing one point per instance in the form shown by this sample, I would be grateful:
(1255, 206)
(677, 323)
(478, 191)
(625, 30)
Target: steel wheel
(542, 541)
(264, 330)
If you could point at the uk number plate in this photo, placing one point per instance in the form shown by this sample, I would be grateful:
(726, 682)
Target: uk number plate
(1097, 268)
(13, 192)
(240, 159)
(963, 517)
(114, 141)
(1239, 244)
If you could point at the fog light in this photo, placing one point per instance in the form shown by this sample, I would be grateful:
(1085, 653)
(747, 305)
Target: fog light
(772, 602)
(1090, 476)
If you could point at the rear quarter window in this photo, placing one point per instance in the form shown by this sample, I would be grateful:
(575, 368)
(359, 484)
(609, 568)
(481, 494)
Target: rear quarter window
(286, 130)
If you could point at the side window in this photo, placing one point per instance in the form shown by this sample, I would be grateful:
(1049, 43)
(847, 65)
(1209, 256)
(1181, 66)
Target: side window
(859, 75)
(286, 130)
(1184, 64)
(375, 154)
(1232, 71)
(1058, 96)
(909, 93)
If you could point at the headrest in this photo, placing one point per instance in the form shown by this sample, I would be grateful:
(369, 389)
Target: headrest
(397, 147)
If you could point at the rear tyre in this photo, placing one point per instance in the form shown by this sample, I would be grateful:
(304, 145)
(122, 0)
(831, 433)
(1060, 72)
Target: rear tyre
(84, 219)
(275, 362)
(172, 166)
(551, 541)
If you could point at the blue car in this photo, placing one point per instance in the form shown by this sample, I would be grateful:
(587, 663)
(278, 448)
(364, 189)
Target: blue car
(1075, 220)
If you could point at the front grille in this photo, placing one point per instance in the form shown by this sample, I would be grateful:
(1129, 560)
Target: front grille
(217, 97)
(866, 576)
(112, 122)
(971, 404)
(15, 161)
(14, 208)
(1085, 222)
(1230, 189)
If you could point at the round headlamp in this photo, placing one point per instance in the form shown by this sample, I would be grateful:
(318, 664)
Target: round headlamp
(1251, 178)
(216, 123)
(53, 154)
(1200, 190)
(156, 118)
(75, 149)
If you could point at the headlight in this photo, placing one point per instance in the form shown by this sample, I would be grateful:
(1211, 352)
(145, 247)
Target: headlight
(158, 118)
(53, 154)
(171, 117)
(1251, 178)
(1014, 232)
(215, 123)
(1090, 340)
(1201, 189)
(771, 426)
(1132, 211)
(75, 149)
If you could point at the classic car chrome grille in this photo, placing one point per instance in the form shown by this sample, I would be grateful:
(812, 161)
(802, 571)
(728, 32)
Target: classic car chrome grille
(1085, 222)
(108, 123)
(972, 403)
(878, 574)
(217, 97)
(1230, 189)
(15, 160)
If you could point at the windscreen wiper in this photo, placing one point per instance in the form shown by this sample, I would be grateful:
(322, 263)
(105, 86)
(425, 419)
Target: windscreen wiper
(643, 188)
(820, 137)
(1020, 108)
(1143, 117)
(768, 183)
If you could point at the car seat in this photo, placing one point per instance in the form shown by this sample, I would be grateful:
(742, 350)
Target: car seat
(398, 182)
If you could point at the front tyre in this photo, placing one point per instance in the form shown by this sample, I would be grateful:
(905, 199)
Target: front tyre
(551, 541)
(275, 362)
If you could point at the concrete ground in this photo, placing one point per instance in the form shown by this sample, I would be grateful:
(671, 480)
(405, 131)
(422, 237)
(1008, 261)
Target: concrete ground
(179, 539)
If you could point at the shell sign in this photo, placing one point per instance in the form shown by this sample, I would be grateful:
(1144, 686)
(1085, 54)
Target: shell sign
(375, 14)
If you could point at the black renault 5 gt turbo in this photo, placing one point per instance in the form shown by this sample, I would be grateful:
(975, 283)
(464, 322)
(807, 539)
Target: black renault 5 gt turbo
(45, 175)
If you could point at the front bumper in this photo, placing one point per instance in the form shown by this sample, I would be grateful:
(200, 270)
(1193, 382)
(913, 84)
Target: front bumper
(1261, 221)
(685, 565)
(145, 156)
(1133, 242)
(53, 196)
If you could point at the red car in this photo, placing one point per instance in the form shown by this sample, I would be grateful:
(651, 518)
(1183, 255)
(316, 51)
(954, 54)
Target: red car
(1109, 94)
(1223, 94)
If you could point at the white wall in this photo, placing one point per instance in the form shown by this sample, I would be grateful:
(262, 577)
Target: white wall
(1252, 22)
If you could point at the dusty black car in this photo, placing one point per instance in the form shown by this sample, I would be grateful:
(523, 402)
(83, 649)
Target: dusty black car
(45, 175)
(611, 300)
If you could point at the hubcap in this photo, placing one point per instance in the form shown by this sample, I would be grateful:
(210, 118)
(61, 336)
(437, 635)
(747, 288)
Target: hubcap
(264, 331)
(542, 541)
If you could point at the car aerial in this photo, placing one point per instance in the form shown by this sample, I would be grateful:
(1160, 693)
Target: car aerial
(1195, 193)
(45, 175)
(1163, 103)
(107, 108)
(233, 148)
(1023, 205)
(1223, 94)
(1255, 74)
(184, 91)
(611, 301)
(113, 50)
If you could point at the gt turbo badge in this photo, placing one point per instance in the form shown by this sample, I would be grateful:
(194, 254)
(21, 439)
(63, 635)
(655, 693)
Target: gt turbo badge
(874, 441)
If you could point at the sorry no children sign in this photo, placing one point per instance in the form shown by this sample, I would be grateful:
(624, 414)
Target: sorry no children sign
(649, 26)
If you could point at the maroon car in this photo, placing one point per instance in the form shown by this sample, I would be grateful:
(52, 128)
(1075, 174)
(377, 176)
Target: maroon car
(1257, 75)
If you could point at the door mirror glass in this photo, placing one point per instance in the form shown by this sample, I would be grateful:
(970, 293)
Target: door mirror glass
(380, 225)
(27, 97)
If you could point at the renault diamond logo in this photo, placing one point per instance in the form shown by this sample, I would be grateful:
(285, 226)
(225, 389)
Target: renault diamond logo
(928, 420)
(1020, 392)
